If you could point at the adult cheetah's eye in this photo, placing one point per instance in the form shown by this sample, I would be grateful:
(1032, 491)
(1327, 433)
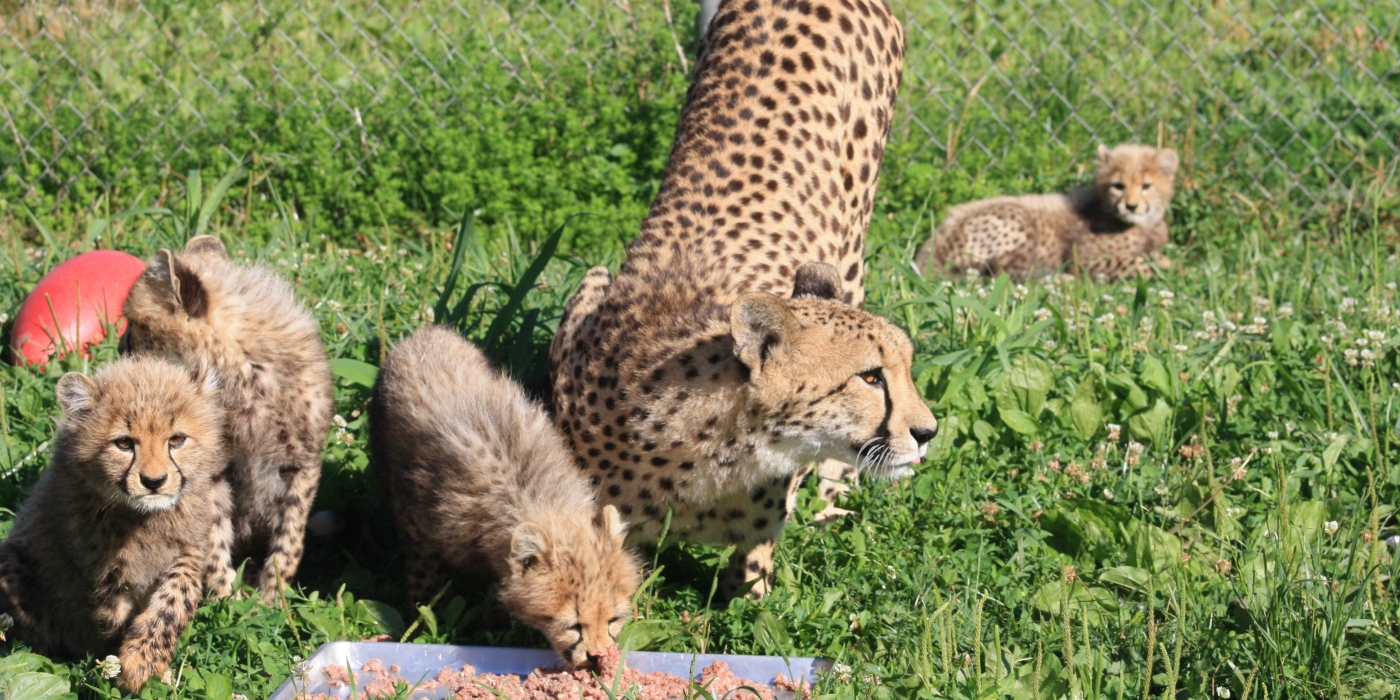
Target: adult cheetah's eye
(125, 444)
(177, 441)
(1146, 185)
(873, 377)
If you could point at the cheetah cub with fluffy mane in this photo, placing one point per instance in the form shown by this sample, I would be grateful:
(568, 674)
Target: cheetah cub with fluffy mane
(112, 543)
(243, 320)
(479, 478)
(1105, 230)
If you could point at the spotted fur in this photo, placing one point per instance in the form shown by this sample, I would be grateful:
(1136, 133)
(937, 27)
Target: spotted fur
(110, 548)
(730, 351)
(1105, 230)
(197, 306)
(479, 480)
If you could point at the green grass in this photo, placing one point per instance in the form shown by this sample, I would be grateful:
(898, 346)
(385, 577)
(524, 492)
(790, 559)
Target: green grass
(950, 584)
(1249, 420)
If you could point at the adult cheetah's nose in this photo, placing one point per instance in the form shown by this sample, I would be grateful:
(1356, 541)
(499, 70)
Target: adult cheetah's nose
(923, 435)
(153, 483)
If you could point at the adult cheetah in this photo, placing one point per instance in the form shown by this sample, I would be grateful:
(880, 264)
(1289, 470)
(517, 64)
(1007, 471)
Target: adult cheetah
(731, 349)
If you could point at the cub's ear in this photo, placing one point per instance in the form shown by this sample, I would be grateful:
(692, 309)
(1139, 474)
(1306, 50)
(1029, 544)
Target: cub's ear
(178, 284)
(529, 545)
(816, 279)
(1104, 153)
(760, 323)
(76, 392)
(207, 246)
(203, 376)
(610, 522)
(1167, 161)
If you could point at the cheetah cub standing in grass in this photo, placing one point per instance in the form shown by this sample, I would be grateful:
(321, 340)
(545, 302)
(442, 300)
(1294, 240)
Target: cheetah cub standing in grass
(112, 543)
(275, 387)
(1105, 230)
(479, 479)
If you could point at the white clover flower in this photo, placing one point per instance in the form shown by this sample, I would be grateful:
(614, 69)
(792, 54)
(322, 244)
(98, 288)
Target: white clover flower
(1237, 469)
(1374, 335)
(1361, 342)
(339, 421)
(1273, 434)
(1222, 692)
(239, 696)
(1105, 320)
(110, 667)
(1166, 297)
(1331, 527)
(4, 318)
(1108, 298)
(1048, 345)
(1108, 494)
(1180, 349)
(1348, 305)
(1161, 488)
(1114, 431)
(1263, 304)
(1043, 313)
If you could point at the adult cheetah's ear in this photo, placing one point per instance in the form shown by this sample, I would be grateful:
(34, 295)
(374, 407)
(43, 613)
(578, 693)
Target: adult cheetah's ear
(178, 284)
(816, 279)
(1167, 161)
(760, 323)
(207, 246)
(529, 545)
(75, 393)
(611, 523)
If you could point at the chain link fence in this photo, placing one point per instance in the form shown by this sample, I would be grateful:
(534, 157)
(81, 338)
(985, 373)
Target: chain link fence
(1272, 100)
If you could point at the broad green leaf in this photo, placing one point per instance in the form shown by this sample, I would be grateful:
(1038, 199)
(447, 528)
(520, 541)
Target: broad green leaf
(1084, 526)
(1154, 376)
(1334, 450)
(1152, 424)
(645, 634)
(1130, 577)
(1226, 379)
(1091, 601)
(1025, 385)
(1019, 421)
(984, 431)
(771, 634)
(217, 687)
(1150, 547)
(1122, 383)
(326, 624)
(354, 371)
(384, 616)
(32, 685)
(1084, 409)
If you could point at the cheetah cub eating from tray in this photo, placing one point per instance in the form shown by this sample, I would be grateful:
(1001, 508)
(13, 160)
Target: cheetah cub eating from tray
(111, 545)
(275, 384)
(1106, 230)
(479, 479)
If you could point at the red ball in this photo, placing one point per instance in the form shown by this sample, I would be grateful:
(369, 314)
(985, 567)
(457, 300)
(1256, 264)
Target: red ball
(67, 308)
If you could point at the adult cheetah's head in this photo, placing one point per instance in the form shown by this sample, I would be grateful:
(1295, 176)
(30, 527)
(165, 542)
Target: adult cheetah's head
(832, 374)
(1135, 182)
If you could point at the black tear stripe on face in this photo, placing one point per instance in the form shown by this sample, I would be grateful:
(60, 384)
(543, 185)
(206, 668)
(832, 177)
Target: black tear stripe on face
(841, 387)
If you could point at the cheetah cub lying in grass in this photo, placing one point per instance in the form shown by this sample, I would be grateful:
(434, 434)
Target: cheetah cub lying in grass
(243, 320)
(479, 479)
(113, 541)
(1106, 230)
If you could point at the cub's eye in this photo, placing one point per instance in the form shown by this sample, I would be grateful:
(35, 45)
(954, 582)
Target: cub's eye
(1146, 185)
(873, 377)
(577, 627)
(125, 444)
(615, 621)
(1117, 186)
(177, 441)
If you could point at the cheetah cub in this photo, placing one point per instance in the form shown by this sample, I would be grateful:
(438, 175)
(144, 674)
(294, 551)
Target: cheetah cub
(275, 387)
(112, 543)
(479, 478)
(1105, 230)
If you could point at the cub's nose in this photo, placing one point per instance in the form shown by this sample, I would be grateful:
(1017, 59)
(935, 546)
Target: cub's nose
(923, 435)
(1130, 206)
(152, 483)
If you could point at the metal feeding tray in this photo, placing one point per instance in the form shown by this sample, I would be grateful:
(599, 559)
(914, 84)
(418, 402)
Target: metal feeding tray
(423, 661)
